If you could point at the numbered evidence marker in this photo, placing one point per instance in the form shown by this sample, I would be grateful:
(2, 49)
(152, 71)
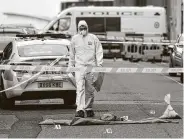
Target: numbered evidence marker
(57, 127)
(108, 131)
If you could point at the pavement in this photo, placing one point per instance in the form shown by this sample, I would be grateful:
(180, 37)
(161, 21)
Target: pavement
(135, 95)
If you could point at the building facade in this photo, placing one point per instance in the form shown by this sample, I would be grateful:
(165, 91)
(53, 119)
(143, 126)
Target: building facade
(175, 17)
(17, 18)
(162, 3)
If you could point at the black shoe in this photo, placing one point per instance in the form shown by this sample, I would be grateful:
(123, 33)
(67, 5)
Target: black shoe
(90, 113)
(79, 114)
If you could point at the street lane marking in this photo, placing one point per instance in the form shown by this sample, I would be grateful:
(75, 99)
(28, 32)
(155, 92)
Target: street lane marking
(166, 76)
(172, 79)
(135, 102)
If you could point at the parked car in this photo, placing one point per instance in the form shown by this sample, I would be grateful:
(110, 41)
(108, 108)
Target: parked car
(48, 84)
(28, 28)
(9, 31)
(176, 56)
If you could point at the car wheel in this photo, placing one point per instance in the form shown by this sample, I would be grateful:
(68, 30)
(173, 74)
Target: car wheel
(5, 103)
(171, 66)
(70, 99)
(181, 78)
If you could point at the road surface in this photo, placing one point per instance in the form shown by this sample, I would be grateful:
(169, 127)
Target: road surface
(136, 95)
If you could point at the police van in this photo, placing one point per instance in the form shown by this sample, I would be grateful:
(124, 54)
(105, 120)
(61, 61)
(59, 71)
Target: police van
(141, 22)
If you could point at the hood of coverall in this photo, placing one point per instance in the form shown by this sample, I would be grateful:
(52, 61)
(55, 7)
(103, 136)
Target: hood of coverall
(83, 24)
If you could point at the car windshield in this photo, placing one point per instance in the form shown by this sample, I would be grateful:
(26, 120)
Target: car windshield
(180, 45)
(61, 24)
(181, 39)
(7, 34)
(42, 50)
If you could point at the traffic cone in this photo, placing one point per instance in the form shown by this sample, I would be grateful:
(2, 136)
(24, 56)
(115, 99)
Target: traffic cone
(169, 112)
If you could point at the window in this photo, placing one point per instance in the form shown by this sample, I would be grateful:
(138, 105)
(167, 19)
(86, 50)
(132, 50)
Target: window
(61, 25)
(7, 51)
(181, 38)
(180, 41)
(113, 24)
(95, 24)
(182, 29)
(42, 50)
(140, 2)
(101, 24)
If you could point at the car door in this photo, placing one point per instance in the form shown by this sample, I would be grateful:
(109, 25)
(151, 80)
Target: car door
(178, 50)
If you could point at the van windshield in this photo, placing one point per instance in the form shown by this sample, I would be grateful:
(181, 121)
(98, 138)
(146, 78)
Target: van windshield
(62, 24)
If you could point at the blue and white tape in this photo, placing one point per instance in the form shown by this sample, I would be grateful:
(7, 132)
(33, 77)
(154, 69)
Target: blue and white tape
(91, 69)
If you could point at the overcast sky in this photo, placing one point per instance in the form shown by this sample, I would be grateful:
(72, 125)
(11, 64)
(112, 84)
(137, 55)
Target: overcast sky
(47, 8)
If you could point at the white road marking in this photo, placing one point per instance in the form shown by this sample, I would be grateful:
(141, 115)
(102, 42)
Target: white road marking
(166, 76)
(136, 102)
(172, 79)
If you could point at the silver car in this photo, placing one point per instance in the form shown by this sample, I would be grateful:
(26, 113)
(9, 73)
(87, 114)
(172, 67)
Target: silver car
(17, 84)
(176, 57)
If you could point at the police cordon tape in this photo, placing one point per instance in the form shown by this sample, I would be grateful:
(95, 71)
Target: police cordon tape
(121, 41)
(140, 43)
(51, 67)
(91, 69)
(30, 79)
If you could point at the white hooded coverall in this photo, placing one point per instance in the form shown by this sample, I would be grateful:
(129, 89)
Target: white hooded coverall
(85, 51)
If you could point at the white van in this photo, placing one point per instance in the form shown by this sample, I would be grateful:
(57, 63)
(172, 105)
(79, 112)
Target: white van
(101, 20)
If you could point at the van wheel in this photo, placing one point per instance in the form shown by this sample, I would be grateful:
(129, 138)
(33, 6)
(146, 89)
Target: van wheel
(181, 78)
(5, 103)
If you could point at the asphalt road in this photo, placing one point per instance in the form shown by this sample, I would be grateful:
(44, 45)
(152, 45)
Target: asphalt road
(136, 95)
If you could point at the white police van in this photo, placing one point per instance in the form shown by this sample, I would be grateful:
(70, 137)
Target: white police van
(131, 21)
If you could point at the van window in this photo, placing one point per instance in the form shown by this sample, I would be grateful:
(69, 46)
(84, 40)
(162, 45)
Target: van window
(113, 24)
(61, 24)
(101, 24)
(8, 51)
(95, 24)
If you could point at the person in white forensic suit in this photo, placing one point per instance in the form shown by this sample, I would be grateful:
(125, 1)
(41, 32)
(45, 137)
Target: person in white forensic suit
(85, 52)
